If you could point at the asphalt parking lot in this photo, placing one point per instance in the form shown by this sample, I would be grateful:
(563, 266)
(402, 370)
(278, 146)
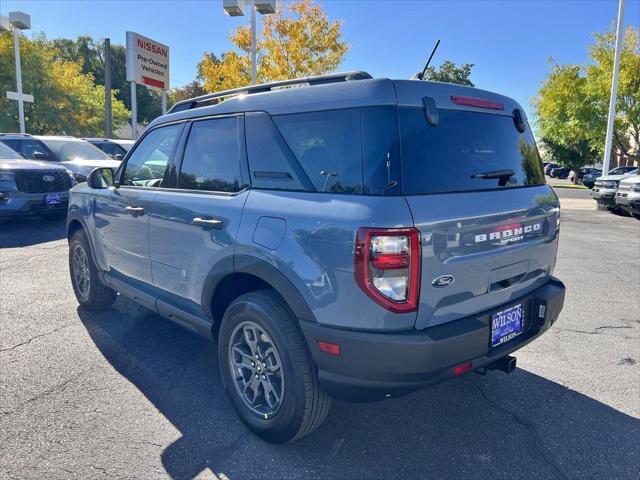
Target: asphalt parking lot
(127, 394)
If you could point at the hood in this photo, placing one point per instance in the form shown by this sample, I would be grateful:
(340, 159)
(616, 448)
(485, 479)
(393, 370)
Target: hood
(615, 178)
(21, 164)
(85, 167)
(630, 179)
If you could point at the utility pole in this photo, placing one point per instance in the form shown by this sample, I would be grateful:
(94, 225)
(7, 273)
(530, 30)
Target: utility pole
(107, 89)
(614, 91)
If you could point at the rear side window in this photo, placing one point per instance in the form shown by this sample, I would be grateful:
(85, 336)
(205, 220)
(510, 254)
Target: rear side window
(463, 147)
(328, 147)
(212, 157)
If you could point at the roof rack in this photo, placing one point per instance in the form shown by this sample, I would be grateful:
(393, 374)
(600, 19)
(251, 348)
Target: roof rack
(214, 98)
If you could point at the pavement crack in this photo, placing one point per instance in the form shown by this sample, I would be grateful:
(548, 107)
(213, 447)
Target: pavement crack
(59, 387)
(537, 441)
(27, 342)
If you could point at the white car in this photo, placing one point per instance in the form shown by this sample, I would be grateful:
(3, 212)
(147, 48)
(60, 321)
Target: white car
(605, 188)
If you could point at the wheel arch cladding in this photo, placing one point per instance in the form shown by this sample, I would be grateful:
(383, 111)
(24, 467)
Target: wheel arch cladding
(234, 276)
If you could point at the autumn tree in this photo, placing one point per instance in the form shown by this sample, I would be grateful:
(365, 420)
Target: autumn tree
(573, 103)
(91, 55)
(297, 41)
(449, 72)
(67, 101)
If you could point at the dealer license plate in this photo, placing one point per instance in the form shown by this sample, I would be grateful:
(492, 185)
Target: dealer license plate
(506, 325)
(52, 199)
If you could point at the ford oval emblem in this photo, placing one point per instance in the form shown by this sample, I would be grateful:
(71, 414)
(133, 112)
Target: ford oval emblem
(48, 178)
(443, 281)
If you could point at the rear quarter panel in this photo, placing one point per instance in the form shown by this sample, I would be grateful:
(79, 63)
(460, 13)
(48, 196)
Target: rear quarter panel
(316, 251)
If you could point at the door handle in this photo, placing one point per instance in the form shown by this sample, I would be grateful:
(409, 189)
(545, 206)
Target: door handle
(135, 210)
(208, 223)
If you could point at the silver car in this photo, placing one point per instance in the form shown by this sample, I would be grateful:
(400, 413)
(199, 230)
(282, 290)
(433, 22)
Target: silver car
(29, 187)
(628, 195)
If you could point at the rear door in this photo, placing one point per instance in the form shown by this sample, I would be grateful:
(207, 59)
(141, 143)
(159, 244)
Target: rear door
(488, 223)
(194, 225)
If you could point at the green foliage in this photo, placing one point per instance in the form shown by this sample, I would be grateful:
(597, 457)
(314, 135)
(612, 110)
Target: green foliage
(67, 101)
(573, 103)
(449, 72)
(90, 54)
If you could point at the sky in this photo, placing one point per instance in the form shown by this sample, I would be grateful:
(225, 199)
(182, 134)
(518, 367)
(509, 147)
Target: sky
(508, 41)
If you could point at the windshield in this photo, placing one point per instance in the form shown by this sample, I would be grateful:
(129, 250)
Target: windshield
(7, 153)
(75, 149)
(622, 170)
(466, 151)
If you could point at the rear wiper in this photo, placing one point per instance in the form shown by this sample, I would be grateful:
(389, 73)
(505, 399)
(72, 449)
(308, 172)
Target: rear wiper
(495, 174)
(502, 175)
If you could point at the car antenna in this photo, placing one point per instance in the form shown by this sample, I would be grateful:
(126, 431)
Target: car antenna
(420, 76)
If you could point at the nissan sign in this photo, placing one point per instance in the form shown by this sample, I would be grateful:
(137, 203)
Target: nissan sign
(147, 61)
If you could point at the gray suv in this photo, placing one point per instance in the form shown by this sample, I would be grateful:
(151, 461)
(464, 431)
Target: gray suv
(30, 188)
(354, 237)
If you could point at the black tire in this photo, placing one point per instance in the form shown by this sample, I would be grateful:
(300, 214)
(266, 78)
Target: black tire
(636, 216)
(303, 406)
(93, 295)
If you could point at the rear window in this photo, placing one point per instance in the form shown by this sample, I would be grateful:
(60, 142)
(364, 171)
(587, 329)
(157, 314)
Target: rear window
(450, 156)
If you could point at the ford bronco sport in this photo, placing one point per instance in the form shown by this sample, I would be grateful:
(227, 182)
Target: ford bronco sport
(355, 237)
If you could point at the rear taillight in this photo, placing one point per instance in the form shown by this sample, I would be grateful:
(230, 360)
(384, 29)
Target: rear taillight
(387, 267)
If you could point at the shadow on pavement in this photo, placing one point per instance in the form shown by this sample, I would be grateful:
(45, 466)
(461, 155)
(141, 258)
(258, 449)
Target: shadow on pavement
(498, 426)
(23, 232)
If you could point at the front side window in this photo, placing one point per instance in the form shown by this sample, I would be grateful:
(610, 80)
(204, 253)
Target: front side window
(212, 157)
(35, 150)
(328, 147)
(148, 163)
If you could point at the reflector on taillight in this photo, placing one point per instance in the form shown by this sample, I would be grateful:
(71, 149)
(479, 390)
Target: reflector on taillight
(387, 267)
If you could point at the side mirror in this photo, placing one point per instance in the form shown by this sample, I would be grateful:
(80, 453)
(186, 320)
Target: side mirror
(118, 156)
(39, 156)
(100, 178)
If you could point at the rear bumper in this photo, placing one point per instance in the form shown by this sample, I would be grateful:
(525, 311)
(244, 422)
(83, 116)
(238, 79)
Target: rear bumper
(372, 366)
(14, 204)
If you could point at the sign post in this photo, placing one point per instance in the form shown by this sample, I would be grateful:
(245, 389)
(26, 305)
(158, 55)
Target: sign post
(147, 64)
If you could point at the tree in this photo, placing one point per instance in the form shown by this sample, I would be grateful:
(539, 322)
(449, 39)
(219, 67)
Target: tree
(573, 103)
(90, 54)
(449, 72)
(193, 89)
(297, 41)
(67, 101)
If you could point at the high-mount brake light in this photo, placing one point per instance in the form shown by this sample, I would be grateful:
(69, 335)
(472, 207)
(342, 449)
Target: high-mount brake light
(476, 102)
(387, 267)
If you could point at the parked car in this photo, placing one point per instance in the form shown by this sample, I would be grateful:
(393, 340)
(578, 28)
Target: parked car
(628, 195)
(605, 188)
(323, 266)
(29, 187)
(115, 148)
(77, 156)
(589, 179)
(559, 172)
(549, 166)
(585, 171)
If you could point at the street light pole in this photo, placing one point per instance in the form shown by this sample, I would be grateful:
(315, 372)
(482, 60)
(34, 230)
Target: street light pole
(19, 21)
(235, 8)
(253, 42)
(614, 92)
